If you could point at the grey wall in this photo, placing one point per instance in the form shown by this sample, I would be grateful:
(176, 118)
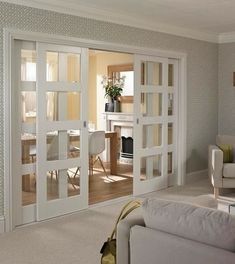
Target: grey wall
(226, 89)
(202, 69)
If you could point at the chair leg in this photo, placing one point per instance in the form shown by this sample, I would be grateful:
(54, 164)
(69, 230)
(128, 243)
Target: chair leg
(91, 164)
(102, 165)
(216, 192)
(70, 181)
(76, 172)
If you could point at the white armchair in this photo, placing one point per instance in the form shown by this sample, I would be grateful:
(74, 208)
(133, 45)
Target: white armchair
(222, 175)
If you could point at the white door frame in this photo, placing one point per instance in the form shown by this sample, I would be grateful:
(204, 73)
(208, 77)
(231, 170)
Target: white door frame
(11, 34)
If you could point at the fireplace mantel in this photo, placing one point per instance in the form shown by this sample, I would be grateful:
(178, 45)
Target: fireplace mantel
(123, 120)
(121, 123)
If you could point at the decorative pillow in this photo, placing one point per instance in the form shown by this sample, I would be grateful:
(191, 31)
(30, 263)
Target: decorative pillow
(227, 153)
(209, 226)
(233, 154)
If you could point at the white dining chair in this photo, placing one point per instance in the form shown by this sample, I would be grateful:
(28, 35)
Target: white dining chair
(96, 147)
(53, 154)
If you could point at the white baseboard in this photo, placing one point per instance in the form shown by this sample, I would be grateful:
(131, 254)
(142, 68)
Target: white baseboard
(2, 224)
(196, 176)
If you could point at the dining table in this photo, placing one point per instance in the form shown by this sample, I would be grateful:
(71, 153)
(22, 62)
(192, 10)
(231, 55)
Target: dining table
(29, 140)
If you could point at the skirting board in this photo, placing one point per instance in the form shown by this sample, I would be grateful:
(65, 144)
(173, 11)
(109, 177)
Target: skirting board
(2, 224)
(196, 176)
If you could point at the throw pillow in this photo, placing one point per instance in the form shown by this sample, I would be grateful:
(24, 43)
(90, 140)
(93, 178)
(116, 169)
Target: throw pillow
(227, 153)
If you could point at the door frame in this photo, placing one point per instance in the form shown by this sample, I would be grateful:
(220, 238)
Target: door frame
(11, 34)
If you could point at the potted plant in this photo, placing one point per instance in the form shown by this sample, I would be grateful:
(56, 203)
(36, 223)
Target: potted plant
(113, 91)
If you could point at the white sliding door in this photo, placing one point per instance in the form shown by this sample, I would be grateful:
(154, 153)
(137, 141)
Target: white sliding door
(155, 123)
(49, 130)
(62, 86)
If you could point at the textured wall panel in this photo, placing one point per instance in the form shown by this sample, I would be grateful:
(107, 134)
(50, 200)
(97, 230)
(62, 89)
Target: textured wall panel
(202, 68)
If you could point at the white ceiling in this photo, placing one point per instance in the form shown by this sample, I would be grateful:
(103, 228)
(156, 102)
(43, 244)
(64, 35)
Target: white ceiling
(202, 19)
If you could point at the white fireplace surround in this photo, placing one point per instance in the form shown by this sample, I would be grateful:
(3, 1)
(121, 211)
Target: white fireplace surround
(122, 120)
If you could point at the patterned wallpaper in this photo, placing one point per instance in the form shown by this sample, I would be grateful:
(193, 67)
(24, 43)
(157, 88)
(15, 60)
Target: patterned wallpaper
(202, 68)
(226, 89)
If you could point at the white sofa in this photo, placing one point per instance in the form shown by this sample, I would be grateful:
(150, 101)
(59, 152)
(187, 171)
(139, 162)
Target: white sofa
(222, 175)
(176, 233)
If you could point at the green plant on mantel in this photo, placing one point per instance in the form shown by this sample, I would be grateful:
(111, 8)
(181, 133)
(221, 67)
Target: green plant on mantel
(113, 87)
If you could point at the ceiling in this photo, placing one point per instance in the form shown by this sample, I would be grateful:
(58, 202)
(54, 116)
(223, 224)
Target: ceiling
(210, 20)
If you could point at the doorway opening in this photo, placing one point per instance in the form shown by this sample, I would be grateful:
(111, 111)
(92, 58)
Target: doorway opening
(108, 70)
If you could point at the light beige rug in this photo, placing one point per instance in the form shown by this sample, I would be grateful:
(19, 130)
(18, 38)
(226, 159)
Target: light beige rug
(77, 238)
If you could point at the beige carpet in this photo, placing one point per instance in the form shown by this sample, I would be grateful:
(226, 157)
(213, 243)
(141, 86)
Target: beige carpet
(77, 238)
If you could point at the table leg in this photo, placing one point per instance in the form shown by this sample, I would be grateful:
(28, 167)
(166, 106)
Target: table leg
(113, 154)
(25, 178)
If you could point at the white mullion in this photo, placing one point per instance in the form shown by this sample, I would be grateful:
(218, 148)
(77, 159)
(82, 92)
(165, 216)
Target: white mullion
(84, 118)
(29, 128)
(28, 168)
(62, 125)
(151, 120)
(171, 119)
(152, 58)
(146, 152)
(62, 134)
(165, 120)
(16, 139)
(41, 135)
(170, 148)
(27, 86)
(137, 126)
(63, 164)
(28, 45)
(175, 114)
(61, 48)
(151, 88)
(62, 86)
(171, 89)
(149, 131)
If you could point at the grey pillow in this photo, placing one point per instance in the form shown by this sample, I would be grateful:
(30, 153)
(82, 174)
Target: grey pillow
(233, 154)
(206, 225)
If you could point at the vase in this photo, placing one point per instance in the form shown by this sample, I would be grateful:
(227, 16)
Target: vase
(110, 106)
(117, 106)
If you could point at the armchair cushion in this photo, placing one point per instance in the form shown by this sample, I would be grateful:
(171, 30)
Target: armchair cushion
(233, 154)
(229, 170)
(227, 152)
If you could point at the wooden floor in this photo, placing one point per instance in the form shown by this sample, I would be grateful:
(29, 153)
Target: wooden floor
(101, 187)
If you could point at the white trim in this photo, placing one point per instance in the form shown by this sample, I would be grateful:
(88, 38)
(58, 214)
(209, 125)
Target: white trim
(2, 225)
(7, 130)
(228, 37)
(117, 17)
(92, 44)
(10, 34)
(112, 201)
(196, 176)
(182, 121)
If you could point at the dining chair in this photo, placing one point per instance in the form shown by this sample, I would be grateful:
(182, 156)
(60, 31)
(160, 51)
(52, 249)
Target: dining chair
(96, 147)
(53, 154)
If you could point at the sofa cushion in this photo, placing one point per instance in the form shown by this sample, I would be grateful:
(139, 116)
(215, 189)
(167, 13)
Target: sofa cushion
(206, 225)
(229, 170)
